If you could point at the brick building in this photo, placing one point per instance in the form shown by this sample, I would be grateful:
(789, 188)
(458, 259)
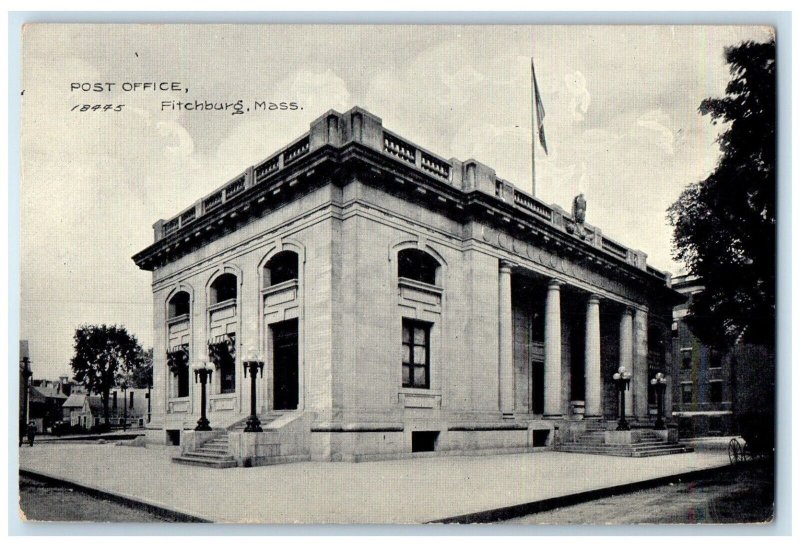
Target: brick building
(401, 302)
(714, 387)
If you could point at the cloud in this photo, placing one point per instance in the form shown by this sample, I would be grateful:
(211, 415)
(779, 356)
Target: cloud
(579, 97)
(659, 123)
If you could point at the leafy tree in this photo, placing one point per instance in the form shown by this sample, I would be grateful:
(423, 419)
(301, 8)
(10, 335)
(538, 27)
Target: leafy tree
(105, 356)
(142, 375)
(725, 224)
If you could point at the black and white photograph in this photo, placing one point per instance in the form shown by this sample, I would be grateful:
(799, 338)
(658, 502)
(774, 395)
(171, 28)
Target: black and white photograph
(397, 274)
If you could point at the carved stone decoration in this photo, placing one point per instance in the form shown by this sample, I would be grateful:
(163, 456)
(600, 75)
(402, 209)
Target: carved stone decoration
(222, 345)
(579, 215)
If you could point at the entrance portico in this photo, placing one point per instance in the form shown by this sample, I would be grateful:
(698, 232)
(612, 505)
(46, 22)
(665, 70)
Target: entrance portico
(549, 323)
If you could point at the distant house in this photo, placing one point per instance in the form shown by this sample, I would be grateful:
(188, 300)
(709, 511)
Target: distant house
(135, 399)
(83, 410)
(45, 403)
(87, 411)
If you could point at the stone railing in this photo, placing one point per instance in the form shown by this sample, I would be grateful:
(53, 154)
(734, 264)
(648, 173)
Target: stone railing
(357, 125)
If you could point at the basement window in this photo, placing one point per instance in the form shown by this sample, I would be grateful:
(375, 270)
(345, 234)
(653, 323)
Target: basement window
(540, 437)
(424, 441)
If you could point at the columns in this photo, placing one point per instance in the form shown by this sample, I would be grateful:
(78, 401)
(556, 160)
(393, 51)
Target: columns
(552, 351)
(639, 381)
(626, 353)
(506, 343)
(592, 360)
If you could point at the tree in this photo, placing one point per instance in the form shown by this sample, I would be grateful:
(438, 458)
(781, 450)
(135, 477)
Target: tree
(105, 356)
(725, 224)
(142, 376)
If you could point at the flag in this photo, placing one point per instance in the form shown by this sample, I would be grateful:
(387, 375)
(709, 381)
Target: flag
(539, 109)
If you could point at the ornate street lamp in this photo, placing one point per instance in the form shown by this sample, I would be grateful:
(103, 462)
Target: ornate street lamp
(622, 379)
(203, 372)
(659, 383)
(253, 363)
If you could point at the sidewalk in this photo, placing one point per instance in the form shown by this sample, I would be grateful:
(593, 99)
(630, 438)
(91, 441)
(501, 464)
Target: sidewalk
(396, 491)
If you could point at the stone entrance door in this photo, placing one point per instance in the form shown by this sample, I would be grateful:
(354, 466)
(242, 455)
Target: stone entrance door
(284, 366)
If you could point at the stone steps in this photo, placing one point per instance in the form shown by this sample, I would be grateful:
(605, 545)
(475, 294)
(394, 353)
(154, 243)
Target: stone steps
(195, 458)
(216, 453)
(647, 444)
(627, 451)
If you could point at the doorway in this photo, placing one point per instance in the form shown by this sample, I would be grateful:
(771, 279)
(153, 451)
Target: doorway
(537, 381)
(284, 365)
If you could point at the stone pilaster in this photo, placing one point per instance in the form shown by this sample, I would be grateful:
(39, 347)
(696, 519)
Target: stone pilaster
(552, 351)
(626, 354)
(640, 368)
(593, 379)
(506, 344)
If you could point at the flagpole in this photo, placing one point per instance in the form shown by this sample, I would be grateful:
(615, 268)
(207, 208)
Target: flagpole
(533, 134)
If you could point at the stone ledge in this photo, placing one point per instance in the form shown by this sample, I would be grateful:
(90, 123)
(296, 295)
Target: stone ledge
(375, 427)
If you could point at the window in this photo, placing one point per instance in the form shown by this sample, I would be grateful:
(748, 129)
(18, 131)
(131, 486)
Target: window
(714, 359)
(714, 424)
(222, 352)
(686, 359)
(674, 329)
(131, 403)
(715, 392)
(424, 441)
(416, 354)
(223, 288)
(178, 305)
(686, 393)
(417, 265)
(178, 363)
(280, 268)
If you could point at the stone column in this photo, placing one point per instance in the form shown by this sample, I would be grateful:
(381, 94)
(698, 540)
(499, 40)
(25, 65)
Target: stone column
(552, 350)
(593, 380)
(640, 380)
(506, 343)
(626, 354)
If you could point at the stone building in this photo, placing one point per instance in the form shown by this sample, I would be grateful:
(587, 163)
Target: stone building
(401, 302)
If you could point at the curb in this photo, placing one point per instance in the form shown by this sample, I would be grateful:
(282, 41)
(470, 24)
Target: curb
(150, 507)
(539, 506)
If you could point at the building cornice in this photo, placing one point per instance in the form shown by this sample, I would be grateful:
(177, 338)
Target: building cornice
(355, 144)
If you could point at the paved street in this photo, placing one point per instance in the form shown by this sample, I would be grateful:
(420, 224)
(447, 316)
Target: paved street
(397, 491)
(42, 501)
(742, 494)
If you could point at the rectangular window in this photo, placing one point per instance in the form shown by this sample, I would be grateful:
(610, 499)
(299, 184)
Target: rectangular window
(686, 393)
(686, 358)
(714, 424)
(416, 354)
(715, 392)
(131, 403)
(714, 359)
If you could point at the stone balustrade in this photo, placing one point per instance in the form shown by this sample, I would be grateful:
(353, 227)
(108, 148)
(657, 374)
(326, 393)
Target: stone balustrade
(359, 126)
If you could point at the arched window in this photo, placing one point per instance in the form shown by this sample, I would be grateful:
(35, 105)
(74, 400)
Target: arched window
(417, 265)
(281, 267)
(223, 288)
(178, 305)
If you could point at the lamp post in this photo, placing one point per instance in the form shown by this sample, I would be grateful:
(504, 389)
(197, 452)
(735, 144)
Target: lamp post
(622, 379)
(253, 364)
(659, 383)
(26, 373)
(203, 372)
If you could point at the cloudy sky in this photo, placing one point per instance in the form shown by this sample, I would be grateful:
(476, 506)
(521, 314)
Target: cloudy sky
(622, 127)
